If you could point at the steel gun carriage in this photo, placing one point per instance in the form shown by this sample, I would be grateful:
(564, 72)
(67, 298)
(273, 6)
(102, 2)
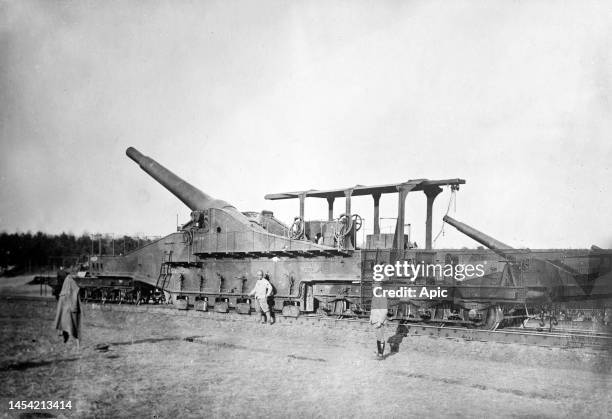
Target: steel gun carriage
(316, 266)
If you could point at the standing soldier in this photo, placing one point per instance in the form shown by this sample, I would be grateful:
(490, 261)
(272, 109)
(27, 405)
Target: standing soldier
(378, 318)
(262, 291)
(68, 314)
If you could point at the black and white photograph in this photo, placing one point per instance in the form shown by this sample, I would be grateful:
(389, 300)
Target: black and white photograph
(305, 209)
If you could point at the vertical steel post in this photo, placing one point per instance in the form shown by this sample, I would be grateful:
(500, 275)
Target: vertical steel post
(330, 208)
(347, 197)
(431, 194)
(403, 190)
(302, 197)
(376, 197)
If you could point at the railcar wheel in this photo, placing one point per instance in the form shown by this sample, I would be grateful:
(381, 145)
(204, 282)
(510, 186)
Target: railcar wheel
(495, 315)
(321, 312)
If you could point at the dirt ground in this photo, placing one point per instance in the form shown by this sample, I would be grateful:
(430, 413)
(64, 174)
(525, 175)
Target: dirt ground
(161, 365)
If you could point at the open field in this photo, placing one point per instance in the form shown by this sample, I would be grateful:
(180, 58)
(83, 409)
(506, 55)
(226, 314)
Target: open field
(19, 285)
(181, 366)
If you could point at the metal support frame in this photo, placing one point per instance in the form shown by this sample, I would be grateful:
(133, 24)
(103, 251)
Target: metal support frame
(431, 194)
(330, 208)
(376, 197)
(347, 196)
(302, 201)
(403, 190)
(351, 242)
(302, 198)
(431, 188)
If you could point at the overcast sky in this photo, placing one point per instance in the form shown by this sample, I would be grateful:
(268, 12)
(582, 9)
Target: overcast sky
(244, 98)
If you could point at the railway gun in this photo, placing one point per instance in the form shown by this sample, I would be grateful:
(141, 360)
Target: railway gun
(316, 266)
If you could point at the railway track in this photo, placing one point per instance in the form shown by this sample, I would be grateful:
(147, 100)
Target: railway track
(510, 335)
(516, 335)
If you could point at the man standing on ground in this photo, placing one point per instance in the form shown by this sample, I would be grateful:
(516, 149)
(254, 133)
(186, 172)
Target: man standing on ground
(378, 317)
(262, 291)
(68, 315)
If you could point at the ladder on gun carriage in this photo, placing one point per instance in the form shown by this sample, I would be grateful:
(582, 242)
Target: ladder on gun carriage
(164, 272)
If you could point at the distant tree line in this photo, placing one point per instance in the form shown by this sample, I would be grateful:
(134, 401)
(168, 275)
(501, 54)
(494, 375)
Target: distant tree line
(27, 251)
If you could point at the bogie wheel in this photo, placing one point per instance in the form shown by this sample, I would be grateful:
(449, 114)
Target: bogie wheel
(321, 312)
(495, 315)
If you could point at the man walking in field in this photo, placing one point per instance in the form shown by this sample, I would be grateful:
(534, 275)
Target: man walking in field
(262, 291)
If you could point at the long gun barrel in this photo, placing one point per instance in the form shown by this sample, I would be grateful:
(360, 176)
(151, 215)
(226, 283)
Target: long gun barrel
(479, 236)
(191, 196)
(503, 249)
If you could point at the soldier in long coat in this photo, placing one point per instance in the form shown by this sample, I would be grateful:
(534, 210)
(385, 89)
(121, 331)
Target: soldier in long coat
(68, 314)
